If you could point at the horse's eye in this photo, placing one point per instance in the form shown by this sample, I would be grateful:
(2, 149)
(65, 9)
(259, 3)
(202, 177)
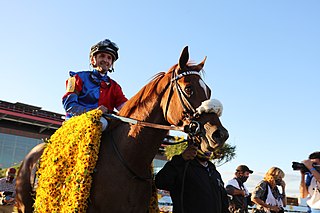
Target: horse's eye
(188, 90)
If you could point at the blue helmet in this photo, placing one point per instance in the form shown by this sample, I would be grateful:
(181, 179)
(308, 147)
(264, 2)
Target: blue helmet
(105, 46)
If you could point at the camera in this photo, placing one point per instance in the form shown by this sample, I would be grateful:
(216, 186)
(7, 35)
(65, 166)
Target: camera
(299, 166)
(303, 168)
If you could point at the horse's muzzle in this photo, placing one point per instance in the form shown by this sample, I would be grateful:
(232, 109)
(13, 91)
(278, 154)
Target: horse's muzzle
(217, 137)
(220, 135)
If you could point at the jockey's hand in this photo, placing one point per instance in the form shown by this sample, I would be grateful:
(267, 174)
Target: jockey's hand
(104, 109)
(189, 153)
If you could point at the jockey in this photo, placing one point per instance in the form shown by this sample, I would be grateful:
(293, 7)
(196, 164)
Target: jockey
(87, 90)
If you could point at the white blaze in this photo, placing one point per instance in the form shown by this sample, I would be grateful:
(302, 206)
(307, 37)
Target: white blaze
(204, 86)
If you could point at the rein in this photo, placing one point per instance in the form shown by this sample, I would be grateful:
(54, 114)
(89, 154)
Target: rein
(124, 163)
(193, 129)
(143, 123)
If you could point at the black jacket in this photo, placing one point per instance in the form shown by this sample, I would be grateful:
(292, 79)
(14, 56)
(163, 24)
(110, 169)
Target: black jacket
(203, 189)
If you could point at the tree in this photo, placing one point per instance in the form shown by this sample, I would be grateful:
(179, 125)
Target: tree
(219, 156)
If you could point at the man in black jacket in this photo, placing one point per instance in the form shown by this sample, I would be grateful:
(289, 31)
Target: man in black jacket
(194, 183)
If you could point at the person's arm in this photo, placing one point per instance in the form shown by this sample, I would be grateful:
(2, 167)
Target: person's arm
(166, 177)
(231, 190)
(284, 196)
(309, 164)
(70, 99)
(303, 186)
(260, 202)
(120, 97)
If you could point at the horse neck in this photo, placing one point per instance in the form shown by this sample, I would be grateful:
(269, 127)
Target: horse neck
(138, 150)
(144, 142)
(149, 139)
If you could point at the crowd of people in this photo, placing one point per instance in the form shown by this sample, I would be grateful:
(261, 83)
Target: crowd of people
(195, 185)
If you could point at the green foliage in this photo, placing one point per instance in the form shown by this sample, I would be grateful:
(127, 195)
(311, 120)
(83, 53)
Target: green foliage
(2, 172)
(172, 150)
(223, 154)
(219, 157)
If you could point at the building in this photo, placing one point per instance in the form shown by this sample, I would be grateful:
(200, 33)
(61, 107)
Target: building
(23, 126)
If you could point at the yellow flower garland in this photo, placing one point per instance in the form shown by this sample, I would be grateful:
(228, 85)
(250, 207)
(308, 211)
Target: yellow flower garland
(67, 163)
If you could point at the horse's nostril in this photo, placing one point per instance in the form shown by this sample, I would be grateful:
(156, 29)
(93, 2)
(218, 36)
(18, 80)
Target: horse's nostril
(219, 134)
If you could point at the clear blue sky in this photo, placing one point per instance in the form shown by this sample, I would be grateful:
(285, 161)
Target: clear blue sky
(263, 63)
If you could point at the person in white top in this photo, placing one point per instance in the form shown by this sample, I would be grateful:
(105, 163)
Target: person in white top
(7, 191)
(239, 195)
(266, 194)
(310, 182)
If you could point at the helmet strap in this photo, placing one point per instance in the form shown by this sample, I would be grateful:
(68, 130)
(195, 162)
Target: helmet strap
(111, 69)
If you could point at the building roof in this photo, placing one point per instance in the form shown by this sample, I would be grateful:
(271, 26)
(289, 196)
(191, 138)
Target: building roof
(30, 115)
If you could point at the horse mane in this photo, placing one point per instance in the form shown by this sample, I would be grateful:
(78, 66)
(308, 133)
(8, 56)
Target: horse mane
(140, 99)
(143, 97)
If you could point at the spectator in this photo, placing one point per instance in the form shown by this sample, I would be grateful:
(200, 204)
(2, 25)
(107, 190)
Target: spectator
(267, 195)
(7, 191)
(194, 183)
(240, 196)
(310, 182)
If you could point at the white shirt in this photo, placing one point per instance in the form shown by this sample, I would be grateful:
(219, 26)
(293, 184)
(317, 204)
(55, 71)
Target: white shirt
(313, 199)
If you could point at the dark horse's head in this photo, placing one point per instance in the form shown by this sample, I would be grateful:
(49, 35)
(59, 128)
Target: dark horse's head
(189, 104)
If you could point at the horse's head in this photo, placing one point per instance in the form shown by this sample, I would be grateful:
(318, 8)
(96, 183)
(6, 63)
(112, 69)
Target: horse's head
(188, 103)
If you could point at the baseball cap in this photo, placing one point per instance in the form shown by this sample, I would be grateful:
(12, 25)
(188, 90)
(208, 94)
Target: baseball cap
(244, 168)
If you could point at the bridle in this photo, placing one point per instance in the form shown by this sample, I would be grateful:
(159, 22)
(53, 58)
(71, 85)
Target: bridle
(189, 112)
(188, 109)
(193, 129)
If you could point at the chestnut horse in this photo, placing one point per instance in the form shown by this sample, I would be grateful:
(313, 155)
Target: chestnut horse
(122, 179)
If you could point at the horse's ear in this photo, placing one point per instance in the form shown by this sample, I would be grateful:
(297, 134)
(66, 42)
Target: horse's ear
(201, 64)
(184, 58)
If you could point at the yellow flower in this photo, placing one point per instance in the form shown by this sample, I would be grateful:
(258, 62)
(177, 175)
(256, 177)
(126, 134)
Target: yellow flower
(67, 163)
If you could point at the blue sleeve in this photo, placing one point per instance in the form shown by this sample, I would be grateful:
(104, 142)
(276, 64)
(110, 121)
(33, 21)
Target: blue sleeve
(308, 178)
(72, 106)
